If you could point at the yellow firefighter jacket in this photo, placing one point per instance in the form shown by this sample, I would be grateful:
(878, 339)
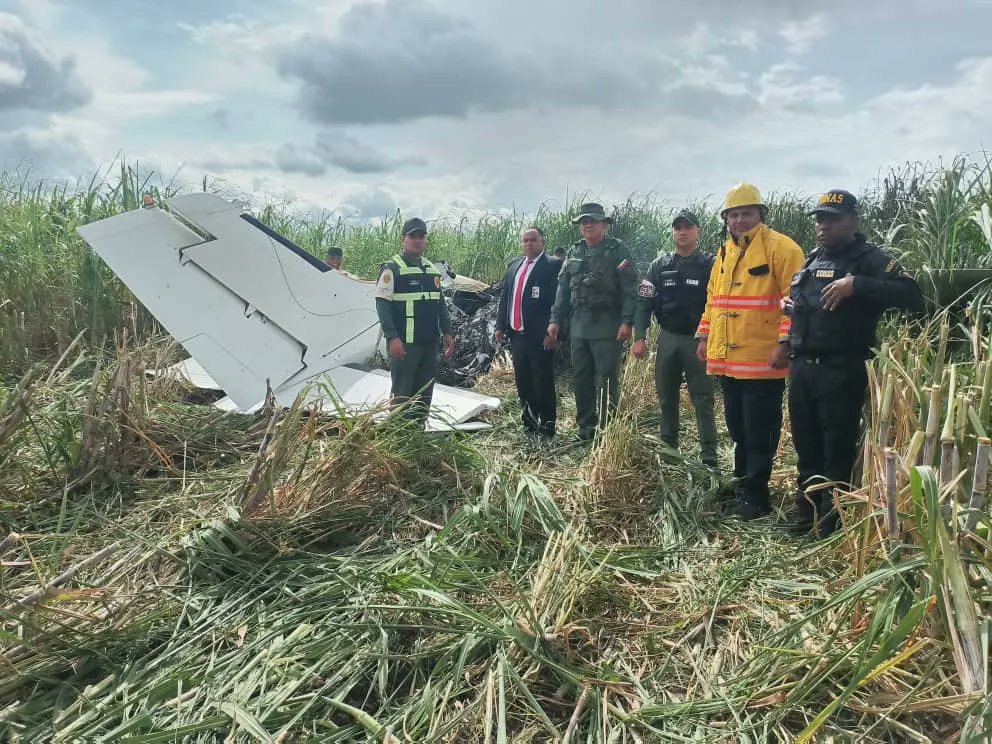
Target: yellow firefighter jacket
(743, 320)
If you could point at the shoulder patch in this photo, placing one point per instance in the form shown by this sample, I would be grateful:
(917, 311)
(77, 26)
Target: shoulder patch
(623, 265)
(646, 289)
(384, 286)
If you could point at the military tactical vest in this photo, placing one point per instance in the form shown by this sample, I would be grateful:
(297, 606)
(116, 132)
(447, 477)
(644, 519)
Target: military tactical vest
(416, 300)
(593, 275)
(848, 330)
(681, 292)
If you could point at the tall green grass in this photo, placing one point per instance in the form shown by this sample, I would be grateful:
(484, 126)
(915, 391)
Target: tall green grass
(52, 287)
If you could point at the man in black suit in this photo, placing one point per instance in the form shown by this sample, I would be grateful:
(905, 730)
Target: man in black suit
(524, 313)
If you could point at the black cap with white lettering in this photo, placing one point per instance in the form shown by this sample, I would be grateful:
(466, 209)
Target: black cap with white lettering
(836, 201)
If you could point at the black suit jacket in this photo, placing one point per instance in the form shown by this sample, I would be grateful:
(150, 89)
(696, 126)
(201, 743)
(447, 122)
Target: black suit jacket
(542, 281)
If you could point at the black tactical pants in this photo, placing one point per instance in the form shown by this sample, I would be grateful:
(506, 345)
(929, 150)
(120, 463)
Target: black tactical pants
(826, 396)
(413, 380)
(534, 373)
(753, 410)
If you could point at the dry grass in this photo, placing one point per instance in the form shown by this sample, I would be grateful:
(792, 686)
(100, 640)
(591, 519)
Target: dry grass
(170, 573)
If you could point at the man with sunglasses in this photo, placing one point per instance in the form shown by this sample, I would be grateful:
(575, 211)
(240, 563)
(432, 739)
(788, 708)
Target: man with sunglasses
(597, 294)
(835, 302)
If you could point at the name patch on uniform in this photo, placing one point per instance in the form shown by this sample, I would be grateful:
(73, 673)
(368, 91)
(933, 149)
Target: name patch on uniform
(646, 289)
(824, 273)
(692, 282)
(535, 293)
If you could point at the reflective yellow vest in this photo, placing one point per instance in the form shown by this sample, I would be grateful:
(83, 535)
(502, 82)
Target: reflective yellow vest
(415, 300)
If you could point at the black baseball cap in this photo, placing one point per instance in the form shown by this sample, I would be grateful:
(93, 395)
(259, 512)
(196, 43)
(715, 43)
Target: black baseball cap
(414, 224)
(688, 216)
(334, 251)
(836, 201)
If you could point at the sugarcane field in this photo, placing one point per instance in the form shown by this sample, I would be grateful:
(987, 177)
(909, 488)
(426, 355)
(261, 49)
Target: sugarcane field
(175, 572)
(532, 372)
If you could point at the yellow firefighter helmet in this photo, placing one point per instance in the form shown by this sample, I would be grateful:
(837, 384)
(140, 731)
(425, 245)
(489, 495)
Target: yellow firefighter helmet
(742, 195)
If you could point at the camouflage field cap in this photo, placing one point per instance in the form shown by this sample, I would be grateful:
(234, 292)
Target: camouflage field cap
(591, 209)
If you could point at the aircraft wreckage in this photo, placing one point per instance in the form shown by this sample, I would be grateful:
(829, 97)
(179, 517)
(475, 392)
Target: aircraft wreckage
(255, 311)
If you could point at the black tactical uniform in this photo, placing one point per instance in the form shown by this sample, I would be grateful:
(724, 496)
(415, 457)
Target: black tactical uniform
(827, 376)
(675, 293)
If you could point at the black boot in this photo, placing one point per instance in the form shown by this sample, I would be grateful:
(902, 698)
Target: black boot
(749, 507)
(807, 508)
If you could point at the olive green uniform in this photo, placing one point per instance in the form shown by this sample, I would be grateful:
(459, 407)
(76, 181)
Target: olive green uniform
(675, 293)
(597, 291)
(410, 307)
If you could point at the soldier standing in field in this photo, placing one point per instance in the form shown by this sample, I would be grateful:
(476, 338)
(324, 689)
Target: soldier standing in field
(835, 303)
(597, 294)
(413, 317)
(743, 337)
(675, 293)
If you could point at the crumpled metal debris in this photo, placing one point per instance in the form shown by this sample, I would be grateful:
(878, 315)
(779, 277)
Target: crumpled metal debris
(473, 325)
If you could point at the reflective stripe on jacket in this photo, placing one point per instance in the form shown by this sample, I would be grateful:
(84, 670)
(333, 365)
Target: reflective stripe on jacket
(743, 321)
(415, 300)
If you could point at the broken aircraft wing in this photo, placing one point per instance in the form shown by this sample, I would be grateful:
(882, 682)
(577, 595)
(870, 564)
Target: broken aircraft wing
(252, 307)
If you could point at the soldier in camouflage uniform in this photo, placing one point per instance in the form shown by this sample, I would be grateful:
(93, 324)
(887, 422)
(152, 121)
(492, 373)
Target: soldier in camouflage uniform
(597, 294)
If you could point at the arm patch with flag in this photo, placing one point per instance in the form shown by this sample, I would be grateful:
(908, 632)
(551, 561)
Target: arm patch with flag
(623, 264)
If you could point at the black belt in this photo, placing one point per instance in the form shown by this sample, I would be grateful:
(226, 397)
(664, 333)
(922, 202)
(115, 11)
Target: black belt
(827, 358)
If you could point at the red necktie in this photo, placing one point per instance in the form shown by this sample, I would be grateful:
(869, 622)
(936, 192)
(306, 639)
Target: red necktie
(517, 323)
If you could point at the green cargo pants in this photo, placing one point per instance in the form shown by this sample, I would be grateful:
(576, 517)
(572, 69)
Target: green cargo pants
(596, 375)
(677, 357)
(413, 380)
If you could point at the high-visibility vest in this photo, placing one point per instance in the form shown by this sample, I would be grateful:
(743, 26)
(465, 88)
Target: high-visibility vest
(416, 300)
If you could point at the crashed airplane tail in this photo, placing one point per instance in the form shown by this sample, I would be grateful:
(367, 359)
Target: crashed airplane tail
(254, 310)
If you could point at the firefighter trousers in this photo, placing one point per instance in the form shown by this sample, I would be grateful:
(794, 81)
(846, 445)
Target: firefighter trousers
(753, 410)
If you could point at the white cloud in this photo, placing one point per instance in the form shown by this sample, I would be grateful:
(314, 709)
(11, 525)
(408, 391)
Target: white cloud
(44, 154)
(799, 34)
(138, 104)
(789, 87)
(662, 96)
(11, 76)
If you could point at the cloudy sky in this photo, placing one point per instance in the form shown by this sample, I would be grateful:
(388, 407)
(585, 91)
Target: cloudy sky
(440, 107)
